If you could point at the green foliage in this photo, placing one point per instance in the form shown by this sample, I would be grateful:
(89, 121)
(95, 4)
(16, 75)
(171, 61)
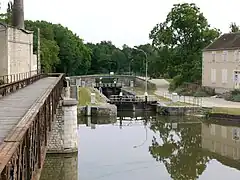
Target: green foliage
(234, 28)
(175, 52)
(176, 82)
(183, 35)
(233, 96)
(61, 49)
(200, 93)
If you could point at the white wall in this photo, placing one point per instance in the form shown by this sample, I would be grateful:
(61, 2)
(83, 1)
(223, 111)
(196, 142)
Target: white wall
(20, 51)
(3, 51)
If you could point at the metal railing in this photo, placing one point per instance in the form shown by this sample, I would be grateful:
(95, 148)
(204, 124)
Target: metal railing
(129, 98)
(196, 101)
(108, 85)
(22, 153)
(6, 79)
(6, 89)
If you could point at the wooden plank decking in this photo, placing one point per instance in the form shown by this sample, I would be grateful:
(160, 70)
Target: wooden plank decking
(14, 106)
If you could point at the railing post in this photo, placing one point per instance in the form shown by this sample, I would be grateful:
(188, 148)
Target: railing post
(39, 153)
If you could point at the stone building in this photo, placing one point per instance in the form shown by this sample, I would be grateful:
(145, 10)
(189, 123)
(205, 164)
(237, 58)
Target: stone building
(16, 51)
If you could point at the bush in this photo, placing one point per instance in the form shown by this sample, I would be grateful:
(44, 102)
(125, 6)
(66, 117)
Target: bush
(200, 93)
(176, 82)
(232, 96)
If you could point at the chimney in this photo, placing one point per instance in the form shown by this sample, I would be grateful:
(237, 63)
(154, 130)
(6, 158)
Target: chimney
(18, 14)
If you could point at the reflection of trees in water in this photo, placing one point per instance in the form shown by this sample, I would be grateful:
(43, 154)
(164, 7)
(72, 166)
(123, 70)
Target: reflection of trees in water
(180, 151)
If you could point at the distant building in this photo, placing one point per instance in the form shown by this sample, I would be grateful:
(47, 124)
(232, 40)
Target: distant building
(221, 63)
(16, 51)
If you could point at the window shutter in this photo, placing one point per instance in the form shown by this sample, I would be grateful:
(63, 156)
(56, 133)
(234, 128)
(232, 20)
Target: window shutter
(235, 55)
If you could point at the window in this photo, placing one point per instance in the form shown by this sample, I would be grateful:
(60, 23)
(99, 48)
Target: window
(213, 75)
(224, 75)
(224, 150)
(237, 55)
(213, 129)
(236, 134)
(213, 56)
(224, 131)
(224, 55)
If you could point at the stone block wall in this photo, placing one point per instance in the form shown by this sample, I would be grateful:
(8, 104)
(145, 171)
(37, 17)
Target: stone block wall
(55, 142)
(63, 137)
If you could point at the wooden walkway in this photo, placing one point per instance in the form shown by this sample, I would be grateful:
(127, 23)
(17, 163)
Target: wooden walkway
(14, 106)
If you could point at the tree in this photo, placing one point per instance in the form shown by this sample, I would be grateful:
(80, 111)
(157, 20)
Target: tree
(183, 35)
(234, 27)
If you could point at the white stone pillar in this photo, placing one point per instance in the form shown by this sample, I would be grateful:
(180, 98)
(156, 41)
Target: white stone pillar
(70, 138)
(131, 84)
(67, 92)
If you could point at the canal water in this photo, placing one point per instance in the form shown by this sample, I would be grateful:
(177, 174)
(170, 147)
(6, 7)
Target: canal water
(143, 146)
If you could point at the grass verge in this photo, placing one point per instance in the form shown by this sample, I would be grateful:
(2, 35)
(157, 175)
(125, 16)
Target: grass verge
(225, 110)
(84, 96)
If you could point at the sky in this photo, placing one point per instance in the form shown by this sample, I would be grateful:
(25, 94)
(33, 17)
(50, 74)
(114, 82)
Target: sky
(122, 21)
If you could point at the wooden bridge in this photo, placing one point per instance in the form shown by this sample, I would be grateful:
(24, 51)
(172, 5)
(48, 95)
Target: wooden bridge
(27, 109)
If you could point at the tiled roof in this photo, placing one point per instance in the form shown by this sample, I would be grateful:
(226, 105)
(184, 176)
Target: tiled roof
(226, 41)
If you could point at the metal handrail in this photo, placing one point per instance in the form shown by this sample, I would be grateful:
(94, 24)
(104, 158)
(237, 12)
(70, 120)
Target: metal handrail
(27, 142)
(6, 89)
(6, 79)
(131, 98)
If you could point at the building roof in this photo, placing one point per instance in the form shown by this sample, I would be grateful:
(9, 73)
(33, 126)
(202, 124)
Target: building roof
(225, 42)
(9, 26)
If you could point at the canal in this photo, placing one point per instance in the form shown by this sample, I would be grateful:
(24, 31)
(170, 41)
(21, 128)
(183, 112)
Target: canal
(149, 147)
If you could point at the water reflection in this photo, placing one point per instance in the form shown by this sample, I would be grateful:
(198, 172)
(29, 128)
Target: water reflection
(60, 167)
(179, 149)
(142, 146)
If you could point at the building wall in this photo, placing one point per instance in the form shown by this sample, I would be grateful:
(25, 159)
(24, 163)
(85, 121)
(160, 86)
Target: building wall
(230, 64)
(20, 51)
(221, 140)
(3, 51)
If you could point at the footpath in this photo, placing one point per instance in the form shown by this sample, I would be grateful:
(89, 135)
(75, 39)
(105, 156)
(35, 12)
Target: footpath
(208, 102)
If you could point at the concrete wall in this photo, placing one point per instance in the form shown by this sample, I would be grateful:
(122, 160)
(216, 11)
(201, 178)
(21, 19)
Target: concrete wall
(177, 110)
(20, 51)
(16, 51)
(124, 79)
(3, 51)
(108, 110)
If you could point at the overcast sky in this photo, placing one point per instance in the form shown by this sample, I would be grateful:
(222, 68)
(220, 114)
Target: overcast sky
(122, 21)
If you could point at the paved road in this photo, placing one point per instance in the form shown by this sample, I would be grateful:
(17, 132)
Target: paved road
(162, 90)
(14, 106)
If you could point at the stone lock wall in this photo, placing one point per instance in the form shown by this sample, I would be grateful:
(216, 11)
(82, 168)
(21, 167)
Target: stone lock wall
(63, 137)
(55, 143)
